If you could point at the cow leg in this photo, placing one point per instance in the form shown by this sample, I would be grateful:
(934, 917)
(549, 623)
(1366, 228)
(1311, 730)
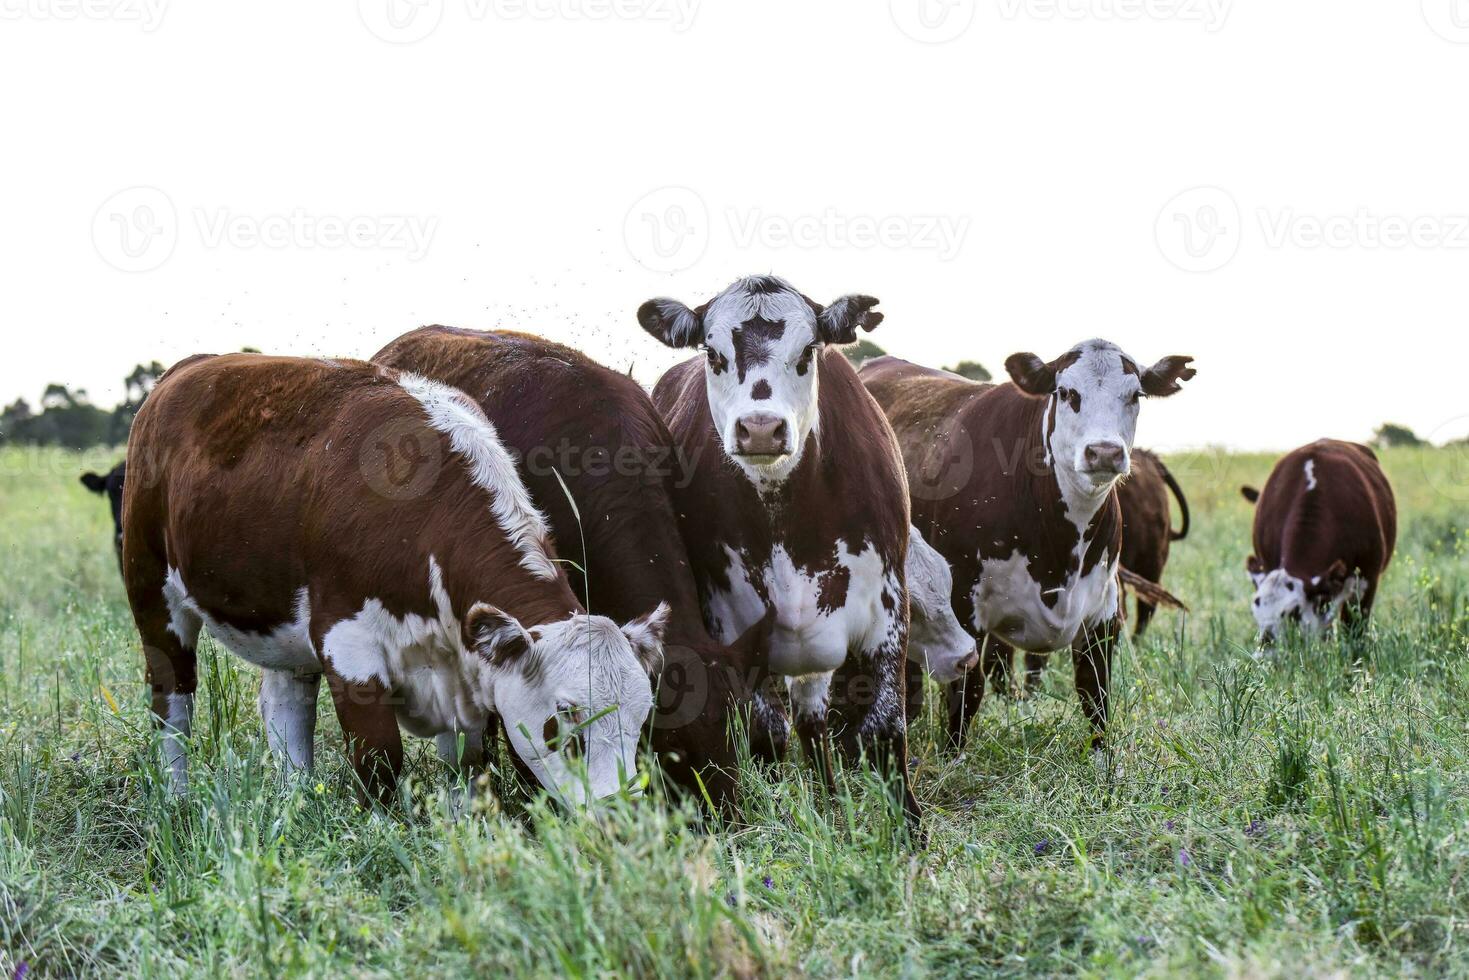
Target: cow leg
(870, 707)
(466, 756)
(770, 729)
(998, 663)
(370, 724)
(810, 698)
(1035, 670)
(913, 688)
(965, 697)
(1091, 657)
(170, 634)
(288, 710)
(1145, 612)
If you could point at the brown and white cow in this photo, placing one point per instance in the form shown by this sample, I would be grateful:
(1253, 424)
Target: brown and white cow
(1147, 523)
(795, 503)
(263, 502)
(110, 485)
(1013, 484)
(572, 422)
(1325, 528)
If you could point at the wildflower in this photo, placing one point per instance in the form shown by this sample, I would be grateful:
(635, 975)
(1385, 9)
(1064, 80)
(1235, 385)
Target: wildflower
(1169, 825)
(1183, 857)
(729, 900)
(21, 969)
(1042, 846)
(767, 881)
(1256, 828)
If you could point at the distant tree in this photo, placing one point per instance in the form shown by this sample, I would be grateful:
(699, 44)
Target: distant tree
(249, 350)
(973, 370)
(15, 421)
(137, 384)
(861, 351)
(1390, 434)
(67, 419)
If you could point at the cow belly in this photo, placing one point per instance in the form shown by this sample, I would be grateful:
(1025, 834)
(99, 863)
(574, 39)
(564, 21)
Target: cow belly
(286, 647)
(1010, 604)
(820, 614)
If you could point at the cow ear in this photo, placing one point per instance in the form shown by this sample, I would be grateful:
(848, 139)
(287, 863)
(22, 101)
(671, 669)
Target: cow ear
(1250, 494)
(1162, 379)
(94, 483)
(1254, 567)
(1031, 374)
(495, 635)
(646, 636)
(1336, 576)
(839, 322)
(672, 322)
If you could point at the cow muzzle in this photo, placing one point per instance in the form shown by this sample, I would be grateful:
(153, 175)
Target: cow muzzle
(1104, 460)
(762, 436)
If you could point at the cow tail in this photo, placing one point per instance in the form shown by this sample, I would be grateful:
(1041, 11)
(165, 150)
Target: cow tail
(1182, 532)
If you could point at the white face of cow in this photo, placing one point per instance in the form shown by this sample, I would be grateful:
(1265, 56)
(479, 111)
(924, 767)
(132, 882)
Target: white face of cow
(761, 339)
(936, 639)
(1313, 604)
(1095, 391)
(573, 695)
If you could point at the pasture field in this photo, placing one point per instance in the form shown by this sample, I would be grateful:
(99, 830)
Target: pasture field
(1303, 816)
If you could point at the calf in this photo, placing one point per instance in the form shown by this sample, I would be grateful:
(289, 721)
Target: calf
(109, 485)
(794, 504)
(1147, 527)
(264, 502)
(599, 462)
(1325, 527)
(1013, 484)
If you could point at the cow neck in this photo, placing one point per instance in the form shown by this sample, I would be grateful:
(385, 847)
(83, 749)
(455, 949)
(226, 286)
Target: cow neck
(533, 601)
(1082, 502)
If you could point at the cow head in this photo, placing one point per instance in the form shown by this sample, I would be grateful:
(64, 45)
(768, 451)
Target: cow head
(1095, 391)
(109, 485)
(1313, 602)
(761, 338)
(573, 695)
(936, 640)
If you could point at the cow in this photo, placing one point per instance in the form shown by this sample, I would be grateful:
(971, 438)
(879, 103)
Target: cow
(1325, 528)
(267, 500)
(109, 485)
(1147, 526)
(795, 503)
(1013, 484)
(599, 462)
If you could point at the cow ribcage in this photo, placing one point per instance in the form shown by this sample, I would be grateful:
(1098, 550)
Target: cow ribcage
(1010, 603)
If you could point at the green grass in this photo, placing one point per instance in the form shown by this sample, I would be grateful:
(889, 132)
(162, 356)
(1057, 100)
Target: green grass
(1298, 817)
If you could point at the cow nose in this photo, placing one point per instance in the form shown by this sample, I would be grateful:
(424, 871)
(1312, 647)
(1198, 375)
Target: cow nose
(761, 434)
(1106, 456)
(970, 662)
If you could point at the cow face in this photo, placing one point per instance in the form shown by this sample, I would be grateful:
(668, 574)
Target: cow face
(573, 695)
(761, 339)
(1313, 603)
(936, 640)
(109, 485)
(1095, 391)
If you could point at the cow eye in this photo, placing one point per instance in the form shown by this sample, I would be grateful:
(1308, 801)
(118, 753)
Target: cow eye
(1062, 394)
(1137, 396)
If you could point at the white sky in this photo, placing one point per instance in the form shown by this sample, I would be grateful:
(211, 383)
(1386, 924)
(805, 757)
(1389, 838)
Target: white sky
(522, 138)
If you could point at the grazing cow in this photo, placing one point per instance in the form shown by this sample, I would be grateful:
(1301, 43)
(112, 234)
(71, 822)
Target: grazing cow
(1013, 484)
(794, 503)
(109, 484)
(1325, 527)
(1147, 527)
(937, 641)
(576, 424)
(266, 501)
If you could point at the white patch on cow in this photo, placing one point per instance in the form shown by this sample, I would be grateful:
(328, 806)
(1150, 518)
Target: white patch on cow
(793, 393)
(177, 725)
(1310, 475)
(810, 694)
(806, 639)
(1009, 603)
(937, 641)
(584, 664)
(1281, 597)
(287, 647)
(490, 466)
(288, 712)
